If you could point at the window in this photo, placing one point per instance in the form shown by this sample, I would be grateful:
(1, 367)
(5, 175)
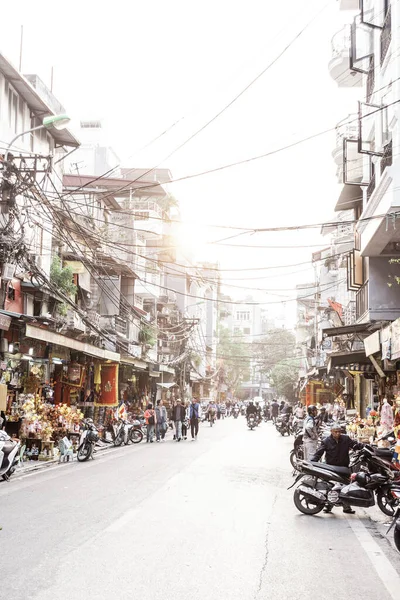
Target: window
(12, 110)
(243, 315)
(246, 331)
(237, 331)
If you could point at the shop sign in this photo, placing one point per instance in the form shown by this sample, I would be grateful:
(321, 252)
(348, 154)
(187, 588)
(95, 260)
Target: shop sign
(395, 339)
(5, 322)
(372, 344)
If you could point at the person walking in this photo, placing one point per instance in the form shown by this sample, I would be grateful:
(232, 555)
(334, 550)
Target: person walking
(178, 416)
(150, 418)
(161, 421)
(274, 411)
(194, 416)
(310, 432)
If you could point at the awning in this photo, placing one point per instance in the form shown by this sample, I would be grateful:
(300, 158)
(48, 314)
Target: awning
(348, 329)
(347, 360)
(166, 386)
(166, 369)
(350, 196)
(44, 335)
(134, 362)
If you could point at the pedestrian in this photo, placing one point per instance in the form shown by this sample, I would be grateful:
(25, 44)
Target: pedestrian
(310, 432)
(274, 411)
(194, 416)
(185, 422)
(178, 416)
(150, 418)
(282, 406)
(161, 421)
(336, 448)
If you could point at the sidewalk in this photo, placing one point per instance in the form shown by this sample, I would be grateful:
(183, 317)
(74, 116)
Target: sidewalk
(32, 466)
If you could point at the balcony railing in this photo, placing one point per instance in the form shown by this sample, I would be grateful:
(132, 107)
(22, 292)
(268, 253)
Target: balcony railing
(362, 301)
(387, 157)
(349, 313)
(386, 34)
(371, 187)
(371, 78)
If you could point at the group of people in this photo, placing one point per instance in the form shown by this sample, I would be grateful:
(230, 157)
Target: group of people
(157, 420)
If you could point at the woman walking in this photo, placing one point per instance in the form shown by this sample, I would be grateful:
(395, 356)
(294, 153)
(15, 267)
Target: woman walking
(150, 418)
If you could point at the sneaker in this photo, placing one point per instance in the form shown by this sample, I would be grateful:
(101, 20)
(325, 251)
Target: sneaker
(157, 440)
(179, 439)
(192, 439)
(349, 511)
(328, 509)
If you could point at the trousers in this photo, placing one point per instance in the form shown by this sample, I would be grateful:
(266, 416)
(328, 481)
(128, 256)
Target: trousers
(194, 426)
(178, 429)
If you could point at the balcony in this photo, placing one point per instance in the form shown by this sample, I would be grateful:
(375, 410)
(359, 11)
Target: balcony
(362, 301)
(386, 34)
(349, 313)
(387, 157)
(339, 65)
(375, 300)
(345, 129)
(74, 322)
(370, 78)
(114, 324)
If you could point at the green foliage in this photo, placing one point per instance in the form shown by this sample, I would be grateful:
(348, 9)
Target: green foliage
(285, 376)
(234, 356)
(146, 336)
(277, 346)
(62, 277)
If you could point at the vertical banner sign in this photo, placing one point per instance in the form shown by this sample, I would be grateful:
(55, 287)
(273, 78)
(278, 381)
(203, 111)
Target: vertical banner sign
(109, 385)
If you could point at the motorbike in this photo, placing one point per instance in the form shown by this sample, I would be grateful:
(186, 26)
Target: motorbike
(236, 413)
(9, 455)
(396, 519)
(328, 485)
(252, 421)
(297, 454)
(87, 441)
(282, 425)
(127, 432)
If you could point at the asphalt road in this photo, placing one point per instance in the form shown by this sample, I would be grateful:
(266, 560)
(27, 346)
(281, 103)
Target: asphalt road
(200, 520)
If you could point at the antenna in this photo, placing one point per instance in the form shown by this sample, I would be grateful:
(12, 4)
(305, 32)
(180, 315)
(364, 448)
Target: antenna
(20, 48)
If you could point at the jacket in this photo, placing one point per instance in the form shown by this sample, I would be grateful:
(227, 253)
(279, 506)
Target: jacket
(150, 413)
(161, 414)
(251, 410)
(275, 408)
(336, 452)
(182, 413)
(310, 431)
(194, 411)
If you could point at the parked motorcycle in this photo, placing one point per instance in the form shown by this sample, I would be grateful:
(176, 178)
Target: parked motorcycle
(9, 455)
(327, 485)
(297, 454)
(87, 441)
(252, 421)
(396, 519)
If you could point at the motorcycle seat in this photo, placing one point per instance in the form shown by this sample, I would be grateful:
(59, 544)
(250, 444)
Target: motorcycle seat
(384, 453)
(333, 468)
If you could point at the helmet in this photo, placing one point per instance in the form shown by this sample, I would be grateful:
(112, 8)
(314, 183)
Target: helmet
(323, 409)
(336, 427)
(311, 409)
(362, 478)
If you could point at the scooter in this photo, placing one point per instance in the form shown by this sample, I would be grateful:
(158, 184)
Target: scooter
(87, 441)
(236, 413)
(396, 519)
(9, 455)
(251, 421)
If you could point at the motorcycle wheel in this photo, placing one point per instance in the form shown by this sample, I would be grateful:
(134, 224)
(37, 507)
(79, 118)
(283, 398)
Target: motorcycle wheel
(304, 505)
(293, 459)
(397, 539)
(119, 439)
(84, 452)
(386, 504)
(136, 436)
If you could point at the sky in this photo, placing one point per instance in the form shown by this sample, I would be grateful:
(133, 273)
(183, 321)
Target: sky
(143, 66)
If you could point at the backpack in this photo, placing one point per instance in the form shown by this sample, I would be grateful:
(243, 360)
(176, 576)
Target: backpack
(150, 420)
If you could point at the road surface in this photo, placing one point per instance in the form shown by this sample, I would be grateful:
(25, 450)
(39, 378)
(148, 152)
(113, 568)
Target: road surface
(201, 520)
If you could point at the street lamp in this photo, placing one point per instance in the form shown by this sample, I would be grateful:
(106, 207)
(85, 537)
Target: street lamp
(53, 122)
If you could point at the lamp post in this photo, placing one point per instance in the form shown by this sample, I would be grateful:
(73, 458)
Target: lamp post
(53, 122)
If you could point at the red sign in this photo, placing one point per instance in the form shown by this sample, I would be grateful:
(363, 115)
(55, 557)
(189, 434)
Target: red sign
(109, 385)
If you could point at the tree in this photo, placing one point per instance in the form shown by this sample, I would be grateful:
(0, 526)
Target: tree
(233, 355)
(284, 378)
(277, 346)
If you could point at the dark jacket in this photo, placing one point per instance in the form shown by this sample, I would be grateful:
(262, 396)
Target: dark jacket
(251, 410)
(175, 413)
(275, 409)
(336, 452)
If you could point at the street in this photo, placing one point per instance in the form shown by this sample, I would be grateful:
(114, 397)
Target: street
(201, 520)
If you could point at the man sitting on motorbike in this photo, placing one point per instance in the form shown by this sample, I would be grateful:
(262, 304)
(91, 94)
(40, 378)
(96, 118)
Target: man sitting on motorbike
(212, 410)
(336, 448)
(251, 409)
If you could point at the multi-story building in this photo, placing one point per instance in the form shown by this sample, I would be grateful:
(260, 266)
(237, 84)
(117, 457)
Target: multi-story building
(366, 56)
